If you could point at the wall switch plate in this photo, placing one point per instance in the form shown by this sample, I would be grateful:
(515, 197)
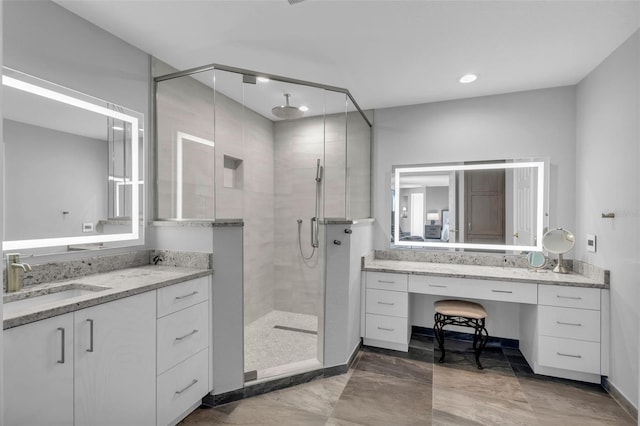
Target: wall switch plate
(591, 243)
(87, 227)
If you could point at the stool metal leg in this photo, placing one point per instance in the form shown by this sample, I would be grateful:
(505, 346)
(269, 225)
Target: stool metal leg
(480, 334)
(480, 338)
(438, 331)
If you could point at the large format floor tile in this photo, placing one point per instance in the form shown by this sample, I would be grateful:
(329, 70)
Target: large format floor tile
(395, 367)
(378, 399)
(390, 388)
(587, 404)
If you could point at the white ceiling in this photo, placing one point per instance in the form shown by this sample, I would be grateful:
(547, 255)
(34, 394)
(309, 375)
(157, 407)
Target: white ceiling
(387, 53)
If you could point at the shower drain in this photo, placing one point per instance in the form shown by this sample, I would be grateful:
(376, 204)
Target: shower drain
(299, 330)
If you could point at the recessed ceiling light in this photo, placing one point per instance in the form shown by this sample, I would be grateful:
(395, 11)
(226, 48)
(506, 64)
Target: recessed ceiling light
(303, 108)
(263, 79)
(468, 78)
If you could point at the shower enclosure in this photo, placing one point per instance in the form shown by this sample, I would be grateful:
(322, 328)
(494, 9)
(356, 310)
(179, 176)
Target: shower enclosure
(287, 157)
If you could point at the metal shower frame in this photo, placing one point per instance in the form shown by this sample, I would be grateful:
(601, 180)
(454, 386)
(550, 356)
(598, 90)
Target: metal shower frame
(256, 74)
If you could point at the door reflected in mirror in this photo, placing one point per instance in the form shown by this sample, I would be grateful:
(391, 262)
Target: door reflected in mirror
(498, 205)
(72, 167)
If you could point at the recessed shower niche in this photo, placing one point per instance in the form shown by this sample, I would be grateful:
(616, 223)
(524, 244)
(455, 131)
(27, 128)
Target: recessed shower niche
(232, 172)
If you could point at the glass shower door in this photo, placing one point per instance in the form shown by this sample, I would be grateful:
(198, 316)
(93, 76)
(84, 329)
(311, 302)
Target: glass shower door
(284, 172)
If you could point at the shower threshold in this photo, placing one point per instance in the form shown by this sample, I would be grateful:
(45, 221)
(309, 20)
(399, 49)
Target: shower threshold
(272, 373)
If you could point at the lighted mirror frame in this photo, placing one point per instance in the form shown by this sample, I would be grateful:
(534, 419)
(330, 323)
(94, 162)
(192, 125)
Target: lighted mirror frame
(135, 175)
(540, 205)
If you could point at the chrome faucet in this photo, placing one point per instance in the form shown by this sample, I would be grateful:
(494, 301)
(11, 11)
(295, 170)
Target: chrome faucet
(13, 272)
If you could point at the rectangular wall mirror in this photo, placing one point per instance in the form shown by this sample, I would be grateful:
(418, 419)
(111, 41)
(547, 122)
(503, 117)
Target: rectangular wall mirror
(72, 168)
(496, 205)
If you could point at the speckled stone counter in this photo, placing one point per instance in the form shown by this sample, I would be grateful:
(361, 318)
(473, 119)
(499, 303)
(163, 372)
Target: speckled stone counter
(118, 284)
(373, 263)
(188, 223)
(343, 221)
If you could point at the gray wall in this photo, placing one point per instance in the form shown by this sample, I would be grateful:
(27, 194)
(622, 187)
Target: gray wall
(539, 123)
(607, 175)
(47, 41)
(437, 198)
(43, 39)
(51, 172)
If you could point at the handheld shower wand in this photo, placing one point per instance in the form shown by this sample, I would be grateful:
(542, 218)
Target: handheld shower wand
(314, 221)
(319, 171)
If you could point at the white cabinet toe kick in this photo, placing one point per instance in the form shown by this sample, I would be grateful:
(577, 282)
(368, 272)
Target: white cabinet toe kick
(562, 328)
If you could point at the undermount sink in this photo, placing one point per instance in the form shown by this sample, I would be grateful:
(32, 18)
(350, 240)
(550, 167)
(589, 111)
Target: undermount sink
(15, 302)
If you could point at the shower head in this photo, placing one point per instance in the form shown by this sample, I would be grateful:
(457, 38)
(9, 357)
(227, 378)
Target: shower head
(287, 111)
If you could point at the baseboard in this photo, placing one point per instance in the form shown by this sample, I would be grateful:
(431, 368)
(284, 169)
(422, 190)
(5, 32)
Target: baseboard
(279, 383)
(457, 335)
(622, 400)
(354, 352)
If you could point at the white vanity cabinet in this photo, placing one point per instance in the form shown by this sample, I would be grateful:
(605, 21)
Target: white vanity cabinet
(38, 373)
(182, 348)
(386, 311)
(115, 347)
(563, 329)
(139, 360)
(569, 328)
(89, 367)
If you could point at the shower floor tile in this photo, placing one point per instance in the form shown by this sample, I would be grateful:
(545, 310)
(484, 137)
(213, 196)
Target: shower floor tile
(279, 338)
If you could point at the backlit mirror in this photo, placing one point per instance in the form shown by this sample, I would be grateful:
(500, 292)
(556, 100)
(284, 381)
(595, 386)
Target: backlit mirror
(72, 168)
(497, 205)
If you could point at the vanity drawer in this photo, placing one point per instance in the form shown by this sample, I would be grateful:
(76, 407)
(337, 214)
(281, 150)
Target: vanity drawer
(392, 303)
(471, 288)
(570, 297)
(440, 286)
(581, 324)
(504, 291)
(182, 386)
(569, 354)
(387, 281)
(182, 334)
(180, 296)
(388, 329)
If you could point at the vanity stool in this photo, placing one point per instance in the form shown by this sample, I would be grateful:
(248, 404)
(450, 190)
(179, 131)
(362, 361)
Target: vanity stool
(462, 313)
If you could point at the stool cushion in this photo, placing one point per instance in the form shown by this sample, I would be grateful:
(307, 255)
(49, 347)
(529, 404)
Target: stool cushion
(460, 308)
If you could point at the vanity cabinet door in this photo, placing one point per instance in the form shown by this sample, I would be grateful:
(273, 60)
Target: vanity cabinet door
(115, 369)
(38, 373)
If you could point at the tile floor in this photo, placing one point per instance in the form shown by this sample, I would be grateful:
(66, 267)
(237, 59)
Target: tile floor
(392, 388)
(266, 346)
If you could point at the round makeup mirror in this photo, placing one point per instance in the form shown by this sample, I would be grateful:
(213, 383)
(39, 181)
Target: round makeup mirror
(536, 259)
(559, 241)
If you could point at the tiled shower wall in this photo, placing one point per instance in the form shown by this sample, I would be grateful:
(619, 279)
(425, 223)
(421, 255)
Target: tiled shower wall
(298, 145)
(187, 105)
(278, 185)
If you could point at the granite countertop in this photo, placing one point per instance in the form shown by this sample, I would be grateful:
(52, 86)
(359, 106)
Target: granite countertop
(118, 284)
(543, 276)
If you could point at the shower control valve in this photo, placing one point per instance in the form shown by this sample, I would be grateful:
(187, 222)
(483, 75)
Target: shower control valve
(348, 231)
(337, 242)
